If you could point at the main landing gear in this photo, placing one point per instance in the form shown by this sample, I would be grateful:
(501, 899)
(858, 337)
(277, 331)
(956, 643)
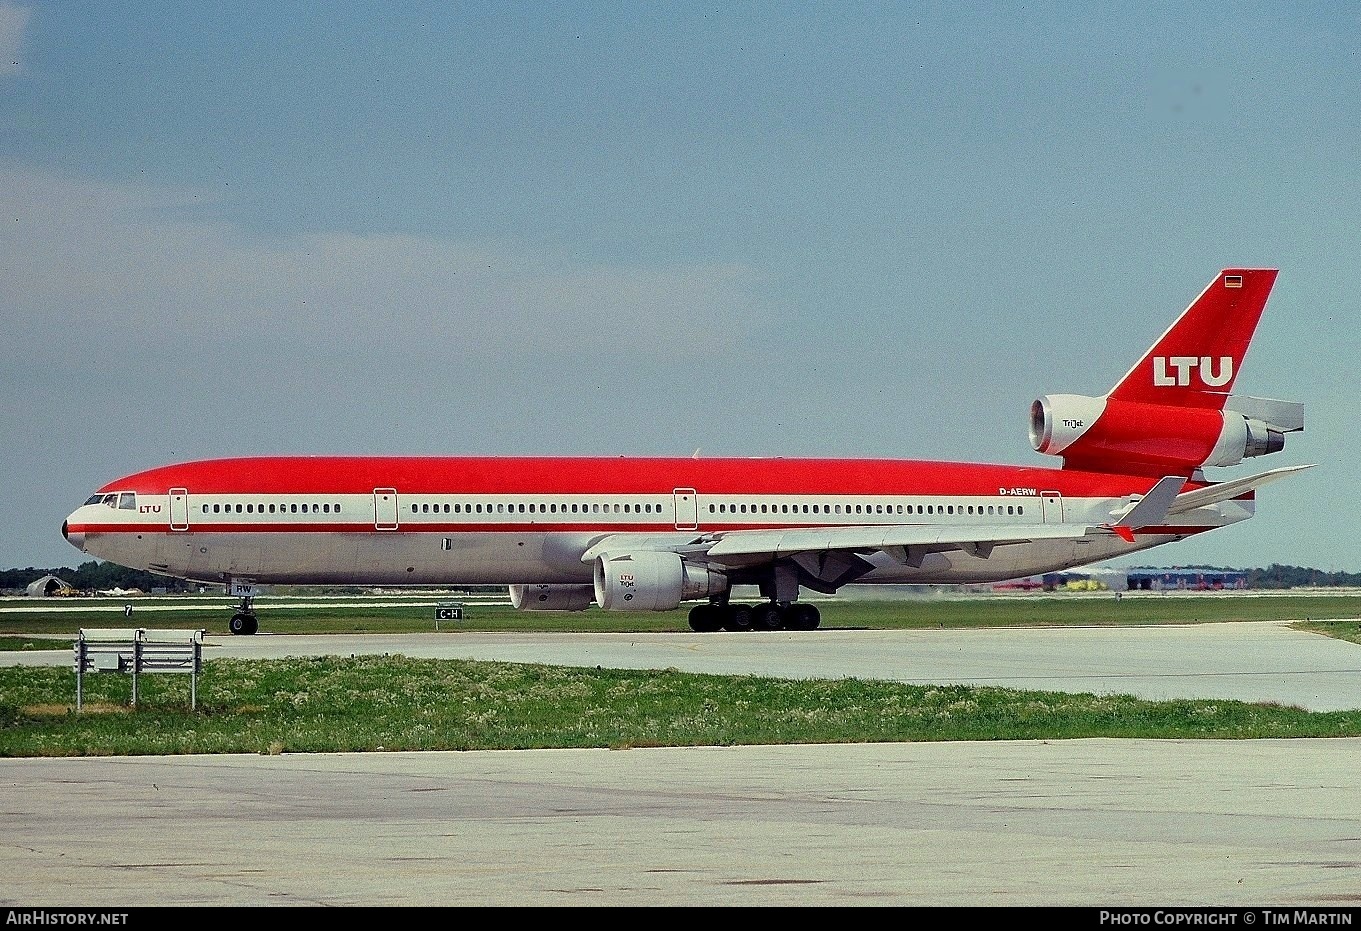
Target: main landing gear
(770, 615)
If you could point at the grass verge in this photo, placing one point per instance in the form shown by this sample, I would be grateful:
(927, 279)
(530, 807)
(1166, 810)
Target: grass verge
(396, 703)
(378, 703)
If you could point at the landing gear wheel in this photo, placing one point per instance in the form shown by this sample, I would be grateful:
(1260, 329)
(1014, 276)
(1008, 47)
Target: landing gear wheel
(802, 617)
(244, 621)
(706, 619)
(768, 616)
(737, 617)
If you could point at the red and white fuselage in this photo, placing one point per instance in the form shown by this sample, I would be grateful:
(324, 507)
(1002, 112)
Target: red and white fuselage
(476, 521)
(650, 533)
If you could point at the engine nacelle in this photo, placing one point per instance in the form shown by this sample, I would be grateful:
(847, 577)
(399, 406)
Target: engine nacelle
(651, 582)
(1114, 435)
(551, 597)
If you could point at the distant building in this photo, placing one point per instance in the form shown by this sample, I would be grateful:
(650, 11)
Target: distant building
(1093, 579)
(48, 586)
(1019, 585)
(1134, 580)
(1199, 580)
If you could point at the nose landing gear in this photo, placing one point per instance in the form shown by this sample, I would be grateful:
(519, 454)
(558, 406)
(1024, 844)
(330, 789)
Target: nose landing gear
(244, 622)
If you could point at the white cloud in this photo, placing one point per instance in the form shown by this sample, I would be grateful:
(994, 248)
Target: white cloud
(83, 256)
(13, 21)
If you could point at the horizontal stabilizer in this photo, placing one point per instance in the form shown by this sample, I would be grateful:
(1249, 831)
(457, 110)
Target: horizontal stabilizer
(1285, 416)
(1223, 491)
(1154, 505)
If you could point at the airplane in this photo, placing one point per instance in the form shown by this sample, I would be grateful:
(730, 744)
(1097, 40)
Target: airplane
(649, 534)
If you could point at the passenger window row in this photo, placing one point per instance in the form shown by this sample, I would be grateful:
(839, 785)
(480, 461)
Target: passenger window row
(597, 508)
(272, 509)
(721, 508)
(535, 508)
(867, 509)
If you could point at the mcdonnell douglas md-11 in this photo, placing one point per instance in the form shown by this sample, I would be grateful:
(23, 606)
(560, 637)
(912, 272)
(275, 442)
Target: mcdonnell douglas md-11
(649, 534)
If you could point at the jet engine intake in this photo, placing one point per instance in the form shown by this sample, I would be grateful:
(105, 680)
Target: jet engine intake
(1137, 436)
(651, 581)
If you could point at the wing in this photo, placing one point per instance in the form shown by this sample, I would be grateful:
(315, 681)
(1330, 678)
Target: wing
(829, 557)
(833, 556)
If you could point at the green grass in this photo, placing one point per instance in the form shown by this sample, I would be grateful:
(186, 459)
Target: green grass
(388, 703)
(1340, 630)
(374, 703)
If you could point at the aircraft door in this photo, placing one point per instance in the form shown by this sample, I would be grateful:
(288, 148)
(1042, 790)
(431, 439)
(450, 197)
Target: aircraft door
(385, 509)
(179, 509)
(687, 508)
(1051, 504)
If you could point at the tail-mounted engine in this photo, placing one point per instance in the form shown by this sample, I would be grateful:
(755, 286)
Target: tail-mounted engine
(651, 581)
(1110, 435)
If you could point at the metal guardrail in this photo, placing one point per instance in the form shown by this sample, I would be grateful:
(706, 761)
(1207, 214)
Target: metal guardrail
(136, 651)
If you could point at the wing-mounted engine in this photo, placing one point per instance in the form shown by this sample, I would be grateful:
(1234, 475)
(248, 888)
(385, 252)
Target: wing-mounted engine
(1140, 437)
(651, 581)
(551, 597)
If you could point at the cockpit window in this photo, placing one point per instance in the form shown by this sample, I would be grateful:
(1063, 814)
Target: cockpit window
(95, 499)
(127, 501)
(111, 500)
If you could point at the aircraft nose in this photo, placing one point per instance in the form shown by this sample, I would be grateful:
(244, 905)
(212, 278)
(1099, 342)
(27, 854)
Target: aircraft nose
(75, 538)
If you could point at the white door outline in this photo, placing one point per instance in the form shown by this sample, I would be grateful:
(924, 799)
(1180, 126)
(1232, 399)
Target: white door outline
(687, 508)
(179, 509)
(385, 509)
(1051, 504)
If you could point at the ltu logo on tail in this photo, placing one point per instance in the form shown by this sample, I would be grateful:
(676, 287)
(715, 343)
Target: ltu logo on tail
(1184, 365)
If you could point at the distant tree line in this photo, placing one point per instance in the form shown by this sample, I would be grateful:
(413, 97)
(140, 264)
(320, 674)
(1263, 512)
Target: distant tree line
(93, 576)
(1278, 576)
(96, 576)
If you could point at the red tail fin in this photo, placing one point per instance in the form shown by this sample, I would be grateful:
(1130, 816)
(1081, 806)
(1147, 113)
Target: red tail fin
(1171, 414)
(1195, 362)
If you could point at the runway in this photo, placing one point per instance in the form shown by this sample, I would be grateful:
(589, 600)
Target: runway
(1087, 822)
(1079, 823)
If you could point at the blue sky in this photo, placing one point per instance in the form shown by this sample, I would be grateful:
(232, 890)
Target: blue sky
(750, 229)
